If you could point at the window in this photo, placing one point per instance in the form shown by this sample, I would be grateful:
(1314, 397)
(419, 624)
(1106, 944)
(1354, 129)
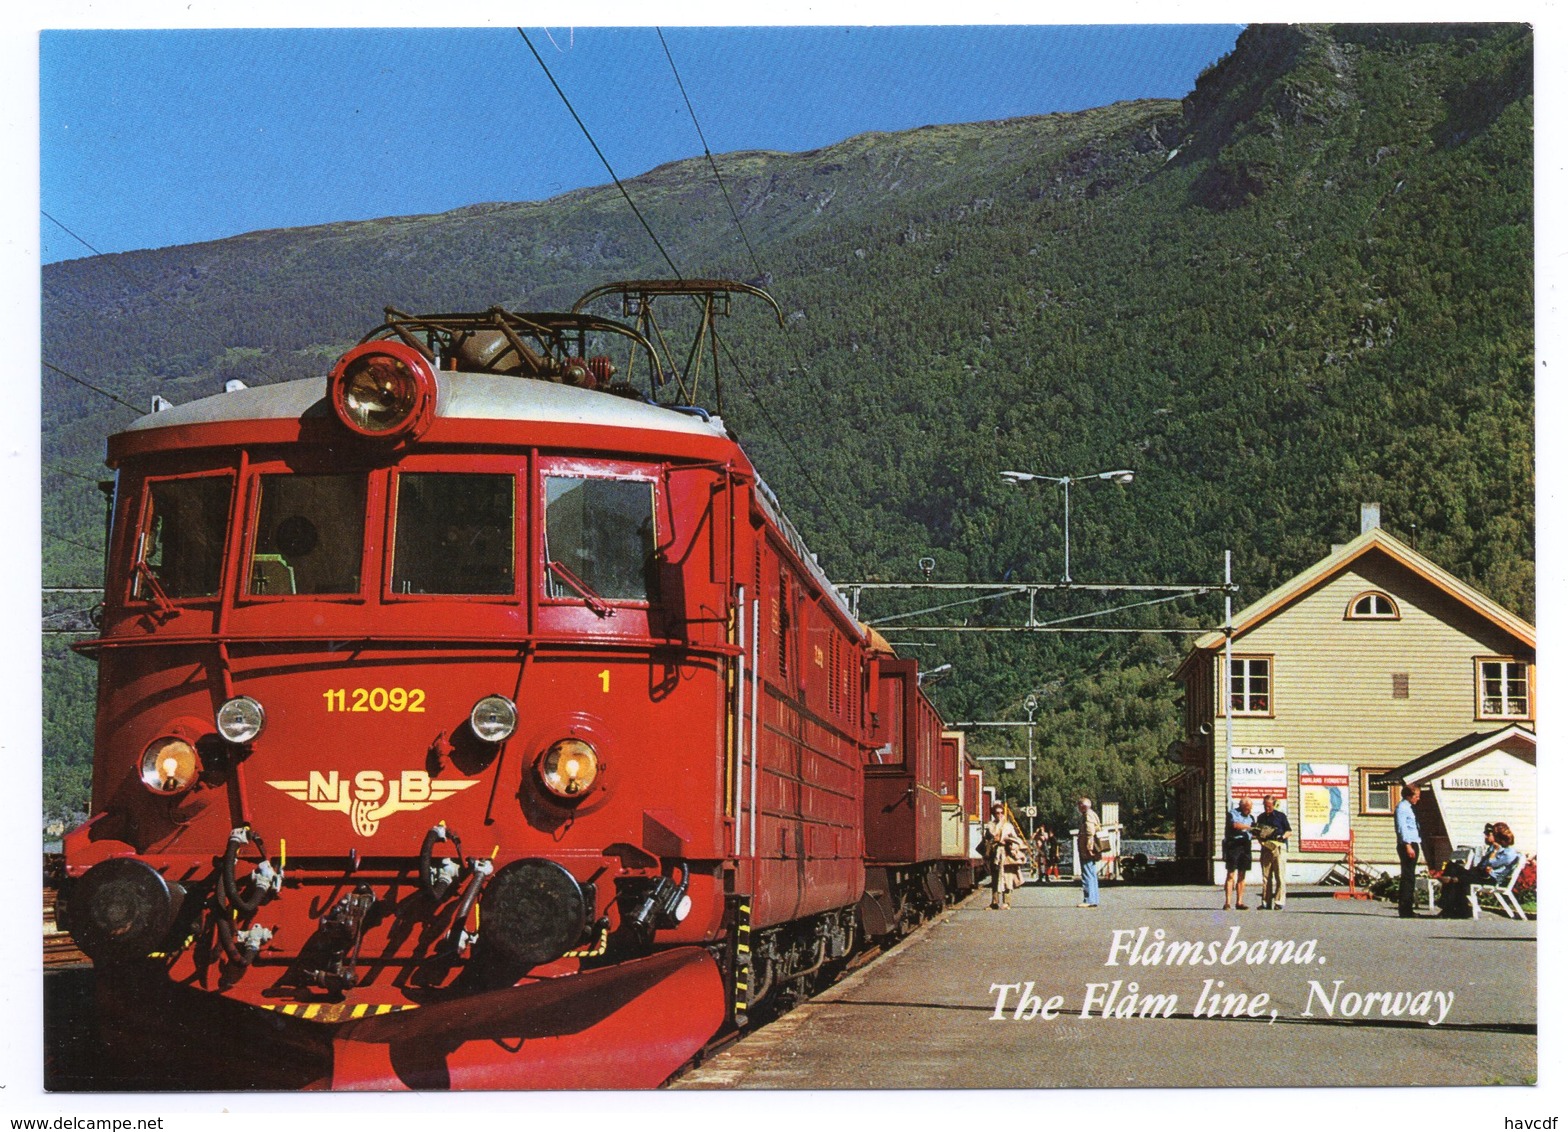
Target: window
(1372, 606)
(310, 535)
(1401, 685)
(1250, 693)
(454, 534)
(890, 722)
(1377, 798)
(181, 543)
(599, 537)
(1502, 688)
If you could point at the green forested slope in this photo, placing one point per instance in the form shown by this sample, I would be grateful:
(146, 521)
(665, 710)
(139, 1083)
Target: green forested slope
(1307, 285)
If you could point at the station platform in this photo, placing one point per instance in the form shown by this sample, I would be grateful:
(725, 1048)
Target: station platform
(1374, 1000)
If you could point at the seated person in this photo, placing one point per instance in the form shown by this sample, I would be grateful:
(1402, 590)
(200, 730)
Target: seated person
(1498, 857)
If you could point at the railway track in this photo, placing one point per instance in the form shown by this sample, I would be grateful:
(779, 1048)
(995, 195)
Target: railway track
(59, 949)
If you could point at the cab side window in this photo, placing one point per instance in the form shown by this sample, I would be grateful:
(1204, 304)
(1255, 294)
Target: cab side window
(182, 537)
(599, 534)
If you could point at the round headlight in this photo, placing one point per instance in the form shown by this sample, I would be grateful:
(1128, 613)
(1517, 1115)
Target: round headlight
(170, 765)
(493, 719)
(241, 719)
(381, 389)
(569, 768)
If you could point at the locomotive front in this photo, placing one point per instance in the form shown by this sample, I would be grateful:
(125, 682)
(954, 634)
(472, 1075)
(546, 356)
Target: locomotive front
(418, 697)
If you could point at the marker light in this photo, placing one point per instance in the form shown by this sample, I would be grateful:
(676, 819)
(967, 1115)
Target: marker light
(383, 389)
(170, 765)
(241, 719)
(568, 769)
(493, 719)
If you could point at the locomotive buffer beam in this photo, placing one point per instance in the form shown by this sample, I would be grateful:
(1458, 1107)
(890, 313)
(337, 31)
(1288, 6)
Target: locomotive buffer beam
(589, 1030)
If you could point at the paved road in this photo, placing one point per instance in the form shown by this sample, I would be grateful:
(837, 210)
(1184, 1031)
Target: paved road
(926, 1016)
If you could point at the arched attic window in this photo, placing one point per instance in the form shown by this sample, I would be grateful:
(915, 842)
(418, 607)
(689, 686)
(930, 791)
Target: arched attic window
(1374, 605)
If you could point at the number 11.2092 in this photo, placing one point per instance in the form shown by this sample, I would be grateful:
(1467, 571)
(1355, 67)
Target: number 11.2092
(375, 699)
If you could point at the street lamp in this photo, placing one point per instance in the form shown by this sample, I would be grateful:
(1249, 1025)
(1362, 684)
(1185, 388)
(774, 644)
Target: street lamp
(1120, 475)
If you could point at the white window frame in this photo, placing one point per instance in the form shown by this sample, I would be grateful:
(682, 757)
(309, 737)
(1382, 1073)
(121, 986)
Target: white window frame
(1354, 614)
(1246, 663)
(1507, 701)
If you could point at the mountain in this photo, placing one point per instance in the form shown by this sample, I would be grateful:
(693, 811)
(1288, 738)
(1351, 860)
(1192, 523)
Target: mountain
(1306, 285)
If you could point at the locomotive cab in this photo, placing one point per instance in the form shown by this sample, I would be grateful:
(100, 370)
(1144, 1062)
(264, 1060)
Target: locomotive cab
(384, 666)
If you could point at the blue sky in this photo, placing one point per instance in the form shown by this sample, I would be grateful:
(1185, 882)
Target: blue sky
(153, 138)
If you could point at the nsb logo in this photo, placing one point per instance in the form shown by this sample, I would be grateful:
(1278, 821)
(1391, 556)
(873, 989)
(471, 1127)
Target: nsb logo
(370, 796)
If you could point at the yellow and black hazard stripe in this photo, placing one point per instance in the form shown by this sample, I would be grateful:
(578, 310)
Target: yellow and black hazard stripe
(336, 1011)
(740, 918)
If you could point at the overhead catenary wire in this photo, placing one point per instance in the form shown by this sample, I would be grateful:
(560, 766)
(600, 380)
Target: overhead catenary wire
(751, 251)
(73, 475)
(648, 228)
(89, 385)
(112, 262)
(79, 545)
(708, 153)
(105, 255)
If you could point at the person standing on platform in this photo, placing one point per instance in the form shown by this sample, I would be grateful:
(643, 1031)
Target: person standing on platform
(1273, 833)
(1238, 852)
(1006, 852)
(1407, 836)
(1089, 853)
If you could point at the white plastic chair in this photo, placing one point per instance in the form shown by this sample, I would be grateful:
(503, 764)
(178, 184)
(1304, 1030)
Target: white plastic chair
(1502, 892)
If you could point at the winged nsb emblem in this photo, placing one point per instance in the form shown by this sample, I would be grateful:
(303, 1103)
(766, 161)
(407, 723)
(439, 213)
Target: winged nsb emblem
(370, 797)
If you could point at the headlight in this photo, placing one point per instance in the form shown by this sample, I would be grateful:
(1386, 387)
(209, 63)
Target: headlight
(241, 719)
(493, 719)
(170, 765)
(569, 768)
(382, 389)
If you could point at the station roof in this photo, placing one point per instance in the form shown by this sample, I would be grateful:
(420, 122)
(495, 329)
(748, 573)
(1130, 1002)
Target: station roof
(1374, 542)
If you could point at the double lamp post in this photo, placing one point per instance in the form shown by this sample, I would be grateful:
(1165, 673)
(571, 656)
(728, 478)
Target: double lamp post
(1120, 475)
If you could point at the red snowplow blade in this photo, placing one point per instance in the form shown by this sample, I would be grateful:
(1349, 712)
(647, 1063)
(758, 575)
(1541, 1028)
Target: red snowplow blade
(624, 1027)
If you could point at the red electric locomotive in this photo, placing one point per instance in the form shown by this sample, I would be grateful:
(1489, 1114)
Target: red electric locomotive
(479, 724)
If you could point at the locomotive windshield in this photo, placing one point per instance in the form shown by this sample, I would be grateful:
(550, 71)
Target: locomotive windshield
(181, 547)
(454, 534)
(310, 535)
(602, 532)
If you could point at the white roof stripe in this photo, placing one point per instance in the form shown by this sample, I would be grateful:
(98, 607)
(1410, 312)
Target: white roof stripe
(469, 396)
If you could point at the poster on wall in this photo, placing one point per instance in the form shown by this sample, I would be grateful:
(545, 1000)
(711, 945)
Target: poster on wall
(1257, 780)
(1325, 808)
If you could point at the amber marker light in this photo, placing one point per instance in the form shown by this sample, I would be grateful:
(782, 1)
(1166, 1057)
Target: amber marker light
(383, 390)
(170, 765)
(569, 768)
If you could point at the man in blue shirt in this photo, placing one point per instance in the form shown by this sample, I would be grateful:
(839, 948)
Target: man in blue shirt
(1273, 833)
(1407, 837)
(1238, 852)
